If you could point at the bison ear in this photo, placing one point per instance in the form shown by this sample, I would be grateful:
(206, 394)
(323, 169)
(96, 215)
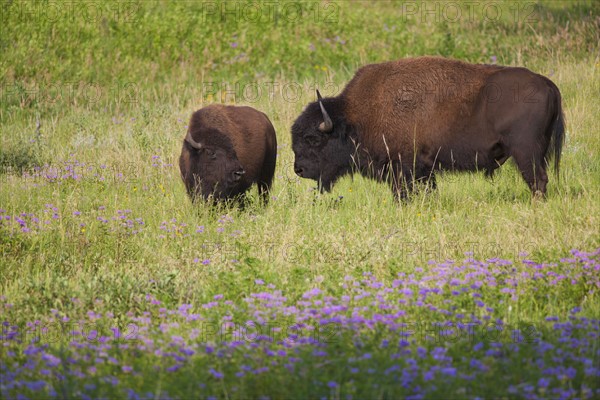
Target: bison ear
(327, 125)
(191, 142)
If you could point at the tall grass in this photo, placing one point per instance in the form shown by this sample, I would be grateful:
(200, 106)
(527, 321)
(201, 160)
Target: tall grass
(93, 112)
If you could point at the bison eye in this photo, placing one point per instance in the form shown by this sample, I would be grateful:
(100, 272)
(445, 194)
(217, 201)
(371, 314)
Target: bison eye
(313, 140)
(211, 154)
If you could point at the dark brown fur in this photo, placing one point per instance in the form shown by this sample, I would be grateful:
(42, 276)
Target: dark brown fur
(400, 121)
(233, 139)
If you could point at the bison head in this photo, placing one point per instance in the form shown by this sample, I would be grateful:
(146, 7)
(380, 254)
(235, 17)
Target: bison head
(321, 140)
(211, 167)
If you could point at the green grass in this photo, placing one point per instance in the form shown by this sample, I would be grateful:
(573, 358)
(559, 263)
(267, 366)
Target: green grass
(113, 95)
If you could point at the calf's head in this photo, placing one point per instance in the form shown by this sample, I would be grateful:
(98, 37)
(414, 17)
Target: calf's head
(321, 140)
(211, 167)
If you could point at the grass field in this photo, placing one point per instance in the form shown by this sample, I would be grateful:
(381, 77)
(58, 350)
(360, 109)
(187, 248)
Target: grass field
(115, 286)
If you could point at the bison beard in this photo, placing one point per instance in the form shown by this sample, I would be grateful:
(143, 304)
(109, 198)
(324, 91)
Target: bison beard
(402, 121)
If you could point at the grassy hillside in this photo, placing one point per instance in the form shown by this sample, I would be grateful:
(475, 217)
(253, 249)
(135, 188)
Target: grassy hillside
(355, 295)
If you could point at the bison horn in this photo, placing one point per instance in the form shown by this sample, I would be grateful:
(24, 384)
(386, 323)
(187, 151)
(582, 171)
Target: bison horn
(327, 125)
(191, 142)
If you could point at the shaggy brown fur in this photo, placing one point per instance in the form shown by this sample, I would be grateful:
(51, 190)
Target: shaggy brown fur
(407, 118)
(230, 149)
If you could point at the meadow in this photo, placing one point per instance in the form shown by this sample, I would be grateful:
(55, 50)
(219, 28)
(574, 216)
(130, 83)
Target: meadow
(113, 285)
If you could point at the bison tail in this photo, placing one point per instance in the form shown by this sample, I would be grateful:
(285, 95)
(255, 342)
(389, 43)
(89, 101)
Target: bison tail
(557, 137)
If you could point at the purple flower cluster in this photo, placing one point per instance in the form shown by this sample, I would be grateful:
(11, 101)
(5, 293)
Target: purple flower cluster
(430, 333)
(72, 170)
(175, 229)
(31, 223)
(157, 162)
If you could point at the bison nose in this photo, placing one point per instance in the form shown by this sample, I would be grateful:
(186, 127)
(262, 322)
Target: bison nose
(237, 175)
(298, 170)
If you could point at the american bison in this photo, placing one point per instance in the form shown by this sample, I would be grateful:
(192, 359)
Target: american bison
(401, 121)
(226, 150)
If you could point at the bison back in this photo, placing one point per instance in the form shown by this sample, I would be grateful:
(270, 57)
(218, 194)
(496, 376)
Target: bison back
(448, 113)
(401, 105)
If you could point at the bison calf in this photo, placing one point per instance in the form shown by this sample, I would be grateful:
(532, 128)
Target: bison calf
(226, 150)
(401, 121)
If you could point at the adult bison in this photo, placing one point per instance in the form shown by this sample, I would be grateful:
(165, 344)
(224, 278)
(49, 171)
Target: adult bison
(401, 121)
(226, 150)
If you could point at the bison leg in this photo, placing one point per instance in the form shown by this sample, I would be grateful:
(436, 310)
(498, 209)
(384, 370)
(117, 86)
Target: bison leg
(265, 179)
(410, 180)
(534, 173)
(425, 176)
(405, 180)
(401, 191)
(402, 181)
(263, 191)
(264, 184)
(430, 181)
(240, 201)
